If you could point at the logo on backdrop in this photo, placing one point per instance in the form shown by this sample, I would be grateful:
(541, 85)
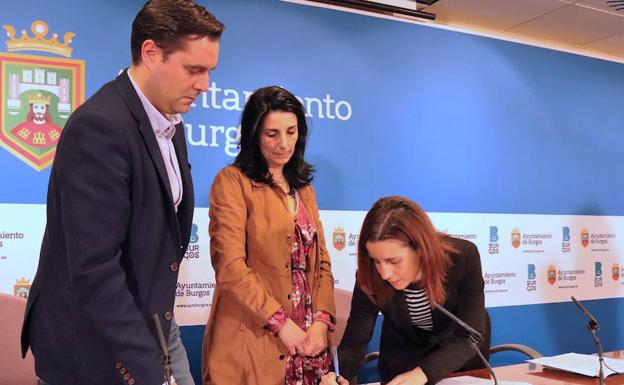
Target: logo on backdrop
(531, 271)
(615, 271)
(21, 287)
(531, 282)
(598, 274)
(515, 238)
(194, 237)
(38, 93)
(493, 246)
(552, 274)
(566, 247)
(193, 250)
(584, 237)
(339, 238)
(493, 234)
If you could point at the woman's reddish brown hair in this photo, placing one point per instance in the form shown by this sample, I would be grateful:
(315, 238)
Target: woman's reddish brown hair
(401, 219)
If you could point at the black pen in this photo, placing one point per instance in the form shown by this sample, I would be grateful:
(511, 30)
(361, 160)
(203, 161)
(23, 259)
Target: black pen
(334, 351)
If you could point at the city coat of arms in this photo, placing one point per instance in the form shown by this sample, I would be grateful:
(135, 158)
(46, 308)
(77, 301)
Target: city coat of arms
(38, 93)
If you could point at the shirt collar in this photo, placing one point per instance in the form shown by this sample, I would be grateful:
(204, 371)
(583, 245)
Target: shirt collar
(163, 125)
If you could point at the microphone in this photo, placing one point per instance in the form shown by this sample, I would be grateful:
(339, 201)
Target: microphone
(592, 321)
(592, 326)
(166, 361)
(461, 323)
(474, 337)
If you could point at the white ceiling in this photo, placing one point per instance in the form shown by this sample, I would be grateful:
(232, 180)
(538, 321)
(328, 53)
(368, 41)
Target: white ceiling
(588, 27)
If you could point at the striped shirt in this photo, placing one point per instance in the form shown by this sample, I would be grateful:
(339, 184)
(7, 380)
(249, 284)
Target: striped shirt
(419, 308)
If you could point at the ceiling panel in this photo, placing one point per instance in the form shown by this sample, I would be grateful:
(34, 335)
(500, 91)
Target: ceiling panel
(587, 27)
(613, 45)
(572, 25)
(491, 14)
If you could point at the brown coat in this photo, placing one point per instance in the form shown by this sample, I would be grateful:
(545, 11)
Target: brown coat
(251, 234)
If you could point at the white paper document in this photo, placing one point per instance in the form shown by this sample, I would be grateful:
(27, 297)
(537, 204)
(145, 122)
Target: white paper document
(469, 380)
(584, 364)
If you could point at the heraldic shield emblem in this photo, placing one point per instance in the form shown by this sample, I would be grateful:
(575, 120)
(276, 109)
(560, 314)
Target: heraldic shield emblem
(21, 288)
(552, 274)
(515, 238)
(584, 237)
(615, 271)
(38, 93)
(339, 238)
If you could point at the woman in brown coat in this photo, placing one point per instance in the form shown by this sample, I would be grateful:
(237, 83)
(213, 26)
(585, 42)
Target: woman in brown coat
(273, 305)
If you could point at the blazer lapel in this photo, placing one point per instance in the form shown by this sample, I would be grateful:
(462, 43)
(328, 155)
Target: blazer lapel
(186, 207)
(397, 309)
(145, 128)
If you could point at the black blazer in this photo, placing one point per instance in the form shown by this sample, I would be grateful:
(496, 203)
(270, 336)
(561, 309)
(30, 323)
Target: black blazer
(404, 347)
(111, 249)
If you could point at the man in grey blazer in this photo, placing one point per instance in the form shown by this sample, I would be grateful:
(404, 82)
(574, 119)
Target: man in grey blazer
(119, 212)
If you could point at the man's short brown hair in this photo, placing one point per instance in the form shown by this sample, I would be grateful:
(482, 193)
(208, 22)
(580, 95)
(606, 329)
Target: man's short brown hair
(169, 23)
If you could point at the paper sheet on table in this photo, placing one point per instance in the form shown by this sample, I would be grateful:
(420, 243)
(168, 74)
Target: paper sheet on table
(584, 364)
(469, 380)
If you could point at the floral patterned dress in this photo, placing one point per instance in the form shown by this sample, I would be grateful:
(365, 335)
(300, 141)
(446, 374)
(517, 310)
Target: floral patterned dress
(301, 370)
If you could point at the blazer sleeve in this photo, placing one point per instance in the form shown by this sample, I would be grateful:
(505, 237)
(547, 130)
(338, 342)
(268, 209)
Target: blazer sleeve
(227, 228)
(92, 176)
(454, 350)
(324, 299)
(358, 333)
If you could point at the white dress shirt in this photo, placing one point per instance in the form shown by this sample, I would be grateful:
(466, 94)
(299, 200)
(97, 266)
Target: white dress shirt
(164, 129)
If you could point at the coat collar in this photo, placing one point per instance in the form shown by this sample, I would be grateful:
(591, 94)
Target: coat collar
(258, 184)
(303, 191)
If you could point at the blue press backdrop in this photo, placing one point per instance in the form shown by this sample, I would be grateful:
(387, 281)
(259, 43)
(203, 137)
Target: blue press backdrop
(457, 122)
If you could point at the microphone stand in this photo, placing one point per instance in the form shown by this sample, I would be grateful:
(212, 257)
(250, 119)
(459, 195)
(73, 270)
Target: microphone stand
(474, 338)
(166, 360)
(593, 326)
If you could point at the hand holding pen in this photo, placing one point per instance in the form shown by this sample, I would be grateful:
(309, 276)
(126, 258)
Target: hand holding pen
(334, 378)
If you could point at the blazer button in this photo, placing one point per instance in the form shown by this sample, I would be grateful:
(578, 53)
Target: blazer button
(288, 296)
(281, 356)
(126, 376)
(288, 236)
(118, 365)
(168, 316)
(286, 265)
(173, 267)
(182, 247)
